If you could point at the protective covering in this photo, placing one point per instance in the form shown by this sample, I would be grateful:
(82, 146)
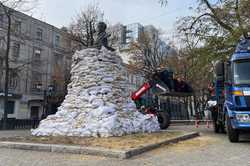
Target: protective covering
(98, 103)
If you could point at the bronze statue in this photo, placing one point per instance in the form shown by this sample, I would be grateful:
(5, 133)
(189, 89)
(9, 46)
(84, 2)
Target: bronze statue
(102, 37)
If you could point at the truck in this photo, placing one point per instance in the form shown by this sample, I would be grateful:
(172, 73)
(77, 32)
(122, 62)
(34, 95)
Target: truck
(161, 83)
(231, 114)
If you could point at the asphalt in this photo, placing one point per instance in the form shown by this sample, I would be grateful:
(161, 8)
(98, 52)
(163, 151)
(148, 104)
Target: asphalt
(14, 133)
(208, 150)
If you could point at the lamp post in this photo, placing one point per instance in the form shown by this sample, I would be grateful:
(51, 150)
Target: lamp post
(47, 92)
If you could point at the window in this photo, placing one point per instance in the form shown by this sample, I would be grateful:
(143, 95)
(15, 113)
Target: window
(36, 80)
(58, 59)
(16, 50)
(1, 71)
(39, 34)
(10, 107)
(241, 72)
(1, 63)
(2, 43)
(13, 79)
(17, 27)
(1, 20)
(37, 55)
(57, 40)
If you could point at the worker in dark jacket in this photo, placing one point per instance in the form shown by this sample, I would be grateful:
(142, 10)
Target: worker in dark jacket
(182, 86)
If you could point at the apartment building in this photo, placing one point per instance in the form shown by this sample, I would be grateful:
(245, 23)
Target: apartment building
(40, 60)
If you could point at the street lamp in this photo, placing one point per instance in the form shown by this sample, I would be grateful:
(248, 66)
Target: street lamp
(47, 92)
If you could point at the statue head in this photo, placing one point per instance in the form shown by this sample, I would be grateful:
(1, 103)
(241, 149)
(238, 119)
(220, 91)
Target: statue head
(102, 37)
(101, 27)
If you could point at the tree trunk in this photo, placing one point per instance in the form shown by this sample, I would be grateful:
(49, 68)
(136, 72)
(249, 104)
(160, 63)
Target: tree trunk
(6, 87)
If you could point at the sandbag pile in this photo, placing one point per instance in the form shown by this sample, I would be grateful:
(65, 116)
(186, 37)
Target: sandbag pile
(98, 103)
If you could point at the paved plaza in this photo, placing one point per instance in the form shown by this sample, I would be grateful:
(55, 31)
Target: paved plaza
(208, 150)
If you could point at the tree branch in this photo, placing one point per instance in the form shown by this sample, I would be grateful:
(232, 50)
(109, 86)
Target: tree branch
(217, 19)
(244, 33)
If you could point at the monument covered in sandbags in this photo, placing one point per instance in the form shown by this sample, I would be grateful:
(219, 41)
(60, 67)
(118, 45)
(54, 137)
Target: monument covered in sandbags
(98, 103)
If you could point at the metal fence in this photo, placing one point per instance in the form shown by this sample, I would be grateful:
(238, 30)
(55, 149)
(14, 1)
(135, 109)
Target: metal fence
(181, 106)
(13, 124)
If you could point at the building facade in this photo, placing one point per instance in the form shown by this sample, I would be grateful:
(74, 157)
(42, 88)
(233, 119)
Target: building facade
(134, 32)
(40, 60)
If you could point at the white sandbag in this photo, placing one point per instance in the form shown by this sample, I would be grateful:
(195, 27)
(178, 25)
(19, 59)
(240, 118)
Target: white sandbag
(98, 102)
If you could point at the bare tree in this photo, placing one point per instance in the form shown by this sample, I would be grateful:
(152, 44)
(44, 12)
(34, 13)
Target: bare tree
(211, 34)
(163, 2)
(8, 8)
(83, 26)
(115, 32)
(219, 18)
(148, 54)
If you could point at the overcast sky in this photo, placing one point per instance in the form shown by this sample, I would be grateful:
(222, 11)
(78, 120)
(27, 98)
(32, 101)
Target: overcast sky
(61, 12)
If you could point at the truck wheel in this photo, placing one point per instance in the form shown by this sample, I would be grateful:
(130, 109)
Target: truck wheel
(233, 134)
(163, 119)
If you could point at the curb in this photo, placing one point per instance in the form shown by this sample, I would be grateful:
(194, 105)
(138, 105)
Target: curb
(149, 147)
(122, 154)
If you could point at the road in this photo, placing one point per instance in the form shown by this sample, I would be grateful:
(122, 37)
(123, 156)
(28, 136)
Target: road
(208, 150)
(14, 133)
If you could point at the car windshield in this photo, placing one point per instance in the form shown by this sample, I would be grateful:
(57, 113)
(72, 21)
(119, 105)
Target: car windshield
(241, 72)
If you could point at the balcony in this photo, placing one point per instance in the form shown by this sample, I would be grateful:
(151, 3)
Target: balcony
(34, 91)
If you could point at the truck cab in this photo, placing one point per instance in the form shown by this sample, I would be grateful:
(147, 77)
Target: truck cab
(233, 93)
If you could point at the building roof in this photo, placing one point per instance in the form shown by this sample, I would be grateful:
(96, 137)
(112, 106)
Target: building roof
(18, 13)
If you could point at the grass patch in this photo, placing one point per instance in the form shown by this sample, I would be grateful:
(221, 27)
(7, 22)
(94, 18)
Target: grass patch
(120, 143)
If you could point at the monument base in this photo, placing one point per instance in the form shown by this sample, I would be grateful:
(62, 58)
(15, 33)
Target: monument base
(98, 103)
